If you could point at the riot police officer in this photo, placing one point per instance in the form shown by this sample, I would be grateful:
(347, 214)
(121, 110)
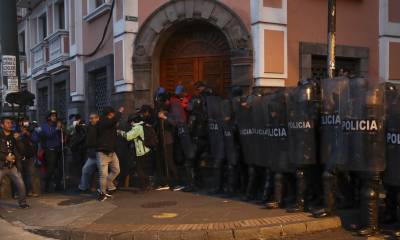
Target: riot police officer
(230, 138)
(363, 137)
(332, 98)
(250, 124)
(391, 177)
(277, 144)
(302, 110)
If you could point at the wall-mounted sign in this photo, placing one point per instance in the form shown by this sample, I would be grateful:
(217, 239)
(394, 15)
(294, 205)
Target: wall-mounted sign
(9, 65)
(12, 84)
(131, 18)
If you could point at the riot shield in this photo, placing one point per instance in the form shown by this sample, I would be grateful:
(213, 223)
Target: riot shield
(392, 109)
(332, 96)
(259, 143)
(215, 131)
(362, 125)
(302, 115)
(276, 131)
(230, 142)
(244, 124)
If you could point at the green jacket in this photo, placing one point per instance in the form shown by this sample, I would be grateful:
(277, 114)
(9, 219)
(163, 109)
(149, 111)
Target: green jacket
(137, 135)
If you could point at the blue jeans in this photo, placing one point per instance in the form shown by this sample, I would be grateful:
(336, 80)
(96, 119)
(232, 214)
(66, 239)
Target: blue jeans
(107, 162)
(87, 171)
(16, 179)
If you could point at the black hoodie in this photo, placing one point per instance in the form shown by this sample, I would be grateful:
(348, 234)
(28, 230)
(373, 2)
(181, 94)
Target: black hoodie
(107, 133)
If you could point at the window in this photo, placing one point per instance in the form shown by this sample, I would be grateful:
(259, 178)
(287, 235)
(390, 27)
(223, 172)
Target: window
(60, 15)
(98, 3)
(42, 22)
(21, 43)
(96, 8)
(344, 66)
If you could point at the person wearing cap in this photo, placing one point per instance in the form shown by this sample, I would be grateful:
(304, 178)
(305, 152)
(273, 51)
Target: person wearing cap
(147, 114)
(49, 136)
(144, 162)
(108, 162)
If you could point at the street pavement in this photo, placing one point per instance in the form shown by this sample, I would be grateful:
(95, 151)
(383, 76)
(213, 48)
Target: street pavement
(158, 215)
(9, 231)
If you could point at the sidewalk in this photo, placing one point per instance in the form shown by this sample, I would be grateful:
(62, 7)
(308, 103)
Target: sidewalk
(158, 215)
(11, 232)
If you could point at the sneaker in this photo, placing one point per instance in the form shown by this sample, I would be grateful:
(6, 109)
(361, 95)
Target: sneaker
(178, 188)
(111, 192)
(24, 205)
(161, 188)
(107, 194)
(102, 197)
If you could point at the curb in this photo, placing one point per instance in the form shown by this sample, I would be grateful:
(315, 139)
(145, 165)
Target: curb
(242, 233)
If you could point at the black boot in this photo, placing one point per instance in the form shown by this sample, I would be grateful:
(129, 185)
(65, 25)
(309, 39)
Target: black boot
(217, 183)
(231, 180)
(390, 214)
(190, 186)
(276, 202)
(328, 180)
(267, 187)
(250, 194)
(370, 206)
(300, 184)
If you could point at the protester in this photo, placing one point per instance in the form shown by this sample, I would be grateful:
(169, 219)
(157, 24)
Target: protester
(166, 149)
(148, 116)
(90, 145)
(28, 170)
(105, 150)
(77, 136)
(144, 162)
(49, 137)
(10, 159)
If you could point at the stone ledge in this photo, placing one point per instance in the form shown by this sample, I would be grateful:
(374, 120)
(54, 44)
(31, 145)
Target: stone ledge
(242, 233)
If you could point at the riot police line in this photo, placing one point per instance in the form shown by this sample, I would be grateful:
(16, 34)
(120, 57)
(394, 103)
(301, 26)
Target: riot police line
(316, 147)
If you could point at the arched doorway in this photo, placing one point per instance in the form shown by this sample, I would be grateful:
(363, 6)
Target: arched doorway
(155, 62)
(196, 52)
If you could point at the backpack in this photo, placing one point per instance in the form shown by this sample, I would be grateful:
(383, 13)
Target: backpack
(150, 137)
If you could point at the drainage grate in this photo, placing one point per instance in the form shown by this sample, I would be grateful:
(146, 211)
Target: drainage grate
(159, 204)
(74, 201)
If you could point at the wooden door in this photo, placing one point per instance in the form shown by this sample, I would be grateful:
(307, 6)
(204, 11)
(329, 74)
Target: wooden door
(214, 71)
(196, 52)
